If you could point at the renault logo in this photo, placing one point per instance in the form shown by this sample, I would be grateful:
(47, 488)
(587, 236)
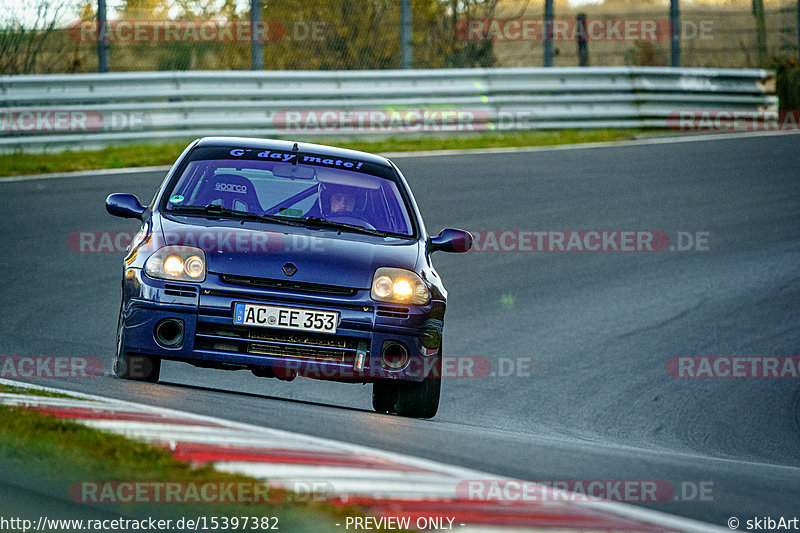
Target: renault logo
(289, 269)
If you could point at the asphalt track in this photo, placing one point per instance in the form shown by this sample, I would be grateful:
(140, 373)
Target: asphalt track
(598, 327)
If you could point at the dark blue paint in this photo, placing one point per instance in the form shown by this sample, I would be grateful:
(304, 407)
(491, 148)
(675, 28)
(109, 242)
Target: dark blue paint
(322, 257)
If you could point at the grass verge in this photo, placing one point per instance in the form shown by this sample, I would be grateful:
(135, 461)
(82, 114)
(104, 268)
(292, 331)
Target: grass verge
(142, 155)
(49, 456)
(11, 389)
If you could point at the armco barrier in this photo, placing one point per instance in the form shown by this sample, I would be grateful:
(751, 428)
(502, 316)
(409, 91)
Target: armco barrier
(38, 111)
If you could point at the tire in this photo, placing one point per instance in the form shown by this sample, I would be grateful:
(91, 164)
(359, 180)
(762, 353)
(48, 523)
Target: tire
(421, 399)
(134, 367)
(263, 372)
(384, 396)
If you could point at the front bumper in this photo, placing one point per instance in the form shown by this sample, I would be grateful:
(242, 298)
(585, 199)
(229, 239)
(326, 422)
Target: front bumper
(211, 339)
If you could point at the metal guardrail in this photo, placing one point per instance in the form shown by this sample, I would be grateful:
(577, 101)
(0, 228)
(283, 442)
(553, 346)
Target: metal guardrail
(38, 111)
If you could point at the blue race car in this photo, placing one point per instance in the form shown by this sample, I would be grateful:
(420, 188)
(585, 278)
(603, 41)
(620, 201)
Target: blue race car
(286, 259)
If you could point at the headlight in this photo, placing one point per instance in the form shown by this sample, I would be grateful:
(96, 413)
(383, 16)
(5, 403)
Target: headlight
(185, 263)
(398, 285)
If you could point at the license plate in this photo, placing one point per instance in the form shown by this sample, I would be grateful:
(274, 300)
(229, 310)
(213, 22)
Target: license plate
(268, 316)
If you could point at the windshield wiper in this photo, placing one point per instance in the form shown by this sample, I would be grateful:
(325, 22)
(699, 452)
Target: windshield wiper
(218, 211)
(319, 222)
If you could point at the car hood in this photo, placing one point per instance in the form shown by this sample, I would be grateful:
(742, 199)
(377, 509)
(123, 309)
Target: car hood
(255, 249)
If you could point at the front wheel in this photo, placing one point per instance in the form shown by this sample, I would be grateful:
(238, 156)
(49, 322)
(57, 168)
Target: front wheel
(384, 396)
(136, 367)
(421, 399)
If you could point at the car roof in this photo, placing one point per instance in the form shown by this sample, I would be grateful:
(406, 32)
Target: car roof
(303, 147)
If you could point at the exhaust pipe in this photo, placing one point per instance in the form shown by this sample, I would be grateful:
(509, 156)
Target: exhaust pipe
(169, 333)
(394, 355)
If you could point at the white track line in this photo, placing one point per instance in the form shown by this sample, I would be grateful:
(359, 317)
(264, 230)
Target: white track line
(628, 511)
(194, 434)
(16, 399)
(697, 137)
(329, 473)
(86, 173)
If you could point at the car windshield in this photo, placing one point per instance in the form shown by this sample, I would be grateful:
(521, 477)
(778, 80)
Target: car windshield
(308, 194)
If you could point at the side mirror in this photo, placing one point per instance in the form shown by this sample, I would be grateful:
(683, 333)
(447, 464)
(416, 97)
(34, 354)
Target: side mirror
(124, 205)
(452, 240)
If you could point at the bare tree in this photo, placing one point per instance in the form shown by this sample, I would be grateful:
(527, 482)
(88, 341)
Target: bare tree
(466, 53)
(25, 32)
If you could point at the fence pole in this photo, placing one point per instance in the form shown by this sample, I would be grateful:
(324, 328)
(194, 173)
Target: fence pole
(675, 23)
(583, 45)
(761, 32)
(548, 33)
(406, 50)
(102, 37)
(256, 36)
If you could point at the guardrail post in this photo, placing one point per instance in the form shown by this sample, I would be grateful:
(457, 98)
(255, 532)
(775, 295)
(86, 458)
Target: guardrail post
(256, 36)
(548, 33)
(675, 23)
(102, 37)
(405, 34)
(761, 32)
(583, 45)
